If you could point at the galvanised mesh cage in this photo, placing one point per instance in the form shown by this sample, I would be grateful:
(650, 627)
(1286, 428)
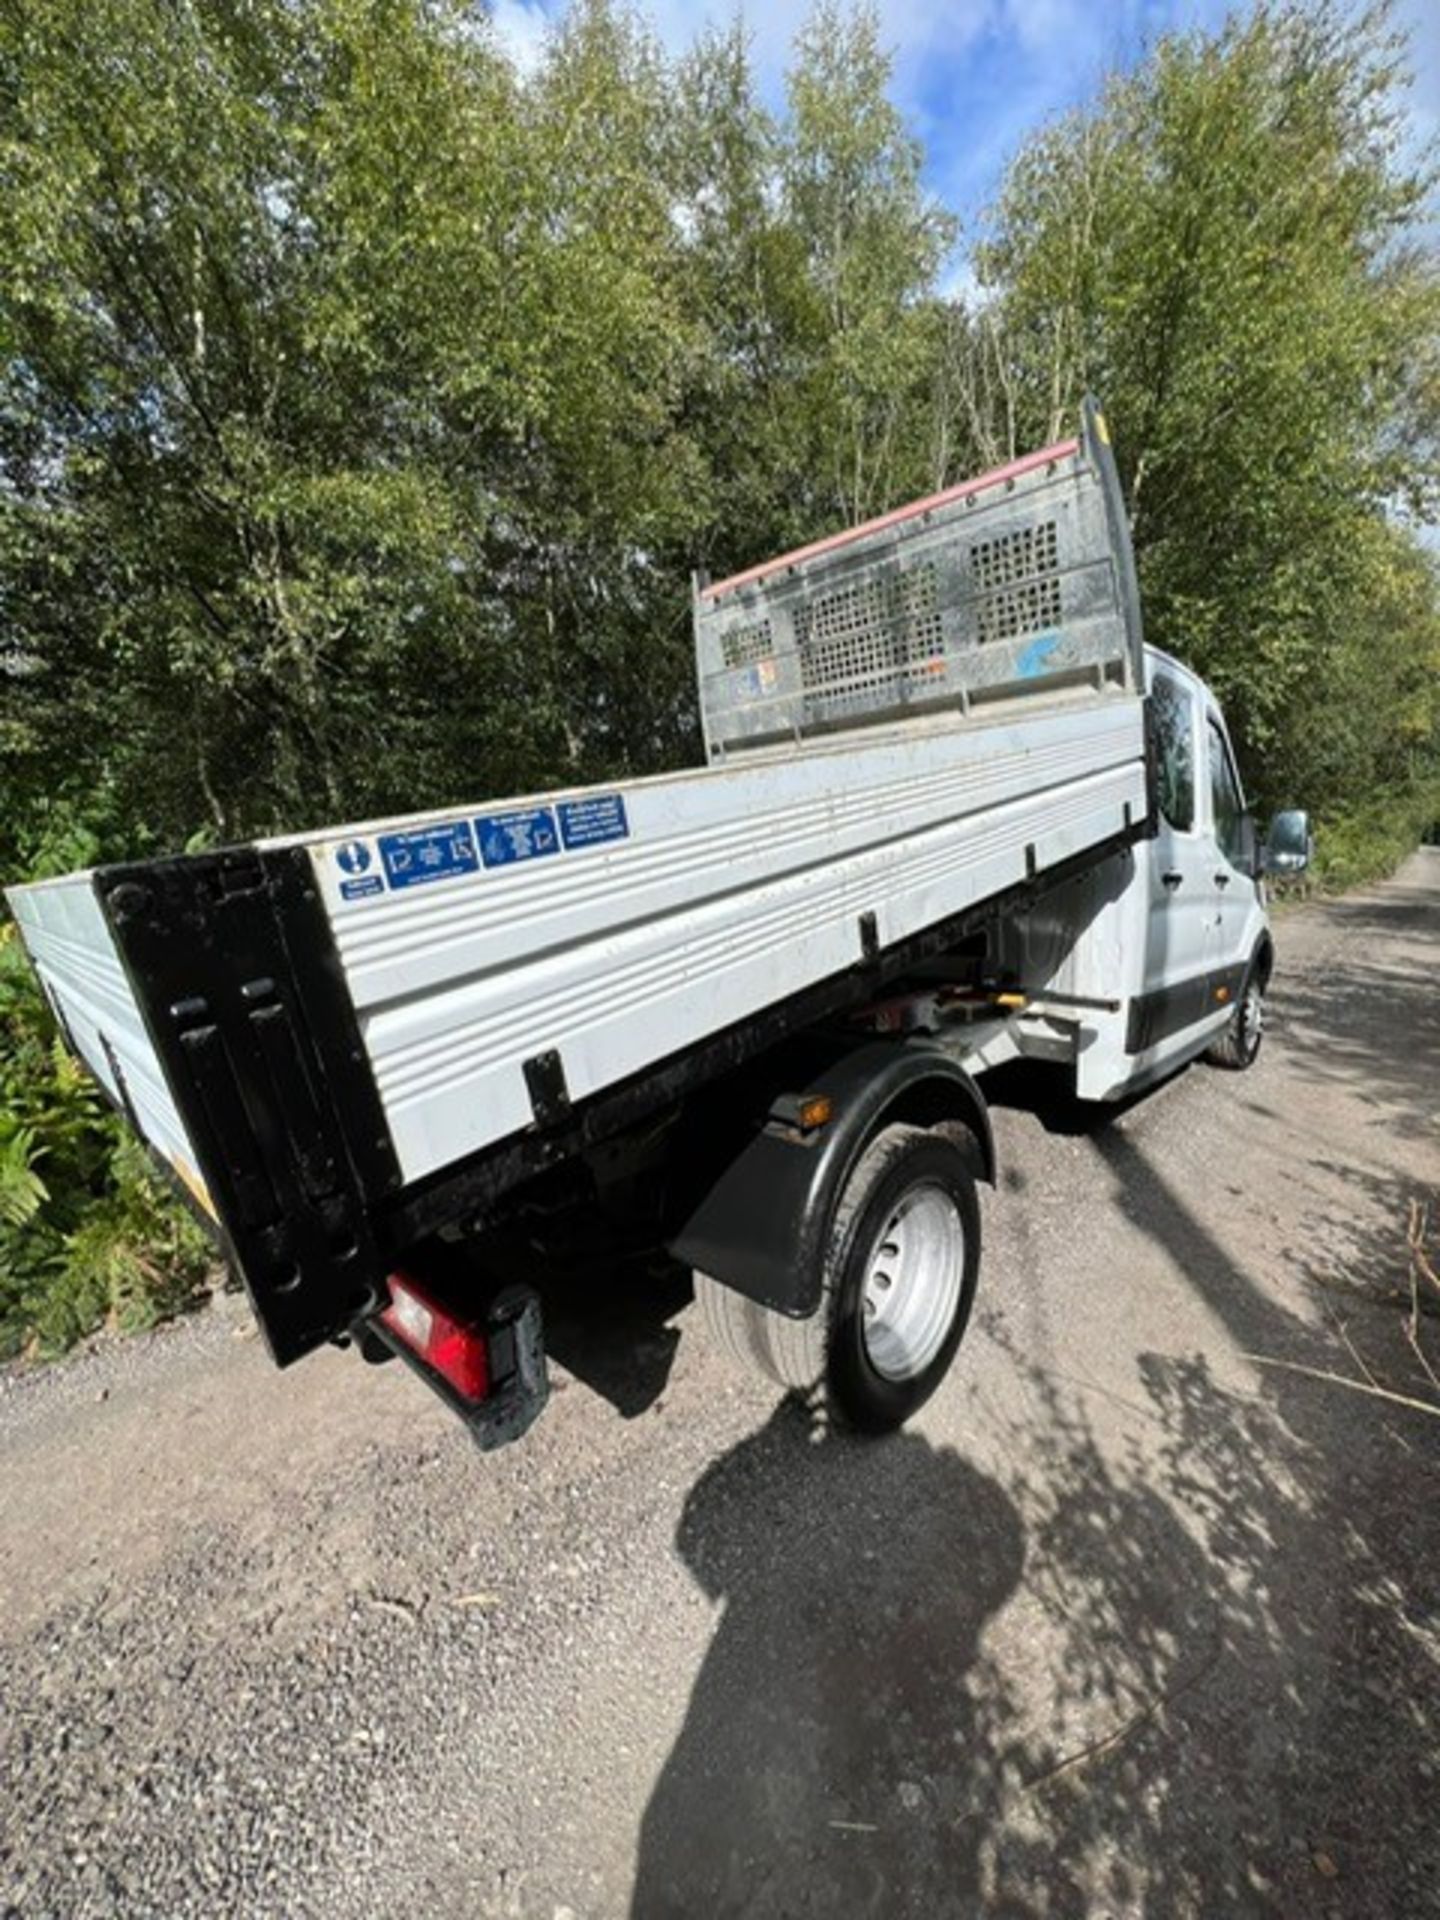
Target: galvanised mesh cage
(1017, 583)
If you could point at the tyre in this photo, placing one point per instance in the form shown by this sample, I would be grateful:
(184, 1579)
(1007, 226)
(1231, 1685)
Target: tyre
(902, 1256)
(1237, 1046)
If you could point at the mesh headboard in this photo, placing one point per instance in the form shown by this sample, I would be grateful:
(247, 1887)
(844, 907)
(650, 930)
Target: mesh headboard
(1006, 586)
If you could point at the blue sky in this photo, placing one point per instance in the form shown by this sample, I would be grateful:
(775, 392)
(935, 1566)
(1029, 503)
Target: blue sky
(974, 76)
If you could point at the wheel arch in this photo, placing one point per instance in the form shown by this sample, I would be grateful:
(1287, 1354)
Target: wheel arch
(941, 1099)
(760, 1226)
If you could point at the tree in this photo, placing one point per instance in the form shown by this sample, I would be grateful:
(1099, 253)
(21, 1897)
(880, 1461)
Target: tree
(874, 242)
(227, 421)
(341, 416)
(1224, 249)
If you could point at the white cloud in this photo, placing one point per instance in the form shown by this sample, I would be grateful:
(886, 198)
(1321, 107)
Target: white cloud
(1421, 21)
(520, 28)
(911, 28)
(973, 77)
(961, 282)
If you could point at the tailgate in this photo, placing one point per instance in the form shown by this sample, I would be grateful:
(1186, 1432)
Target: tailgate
(230, 1051)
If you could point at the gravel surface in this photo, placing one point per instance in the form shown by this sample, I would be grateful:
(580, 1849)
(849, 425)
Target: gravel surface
(1130, 1621)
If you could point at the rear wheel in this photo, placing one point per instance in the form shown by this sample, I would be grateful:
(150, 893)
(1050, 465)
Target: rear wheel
(1237, 1046)
(902, 1255)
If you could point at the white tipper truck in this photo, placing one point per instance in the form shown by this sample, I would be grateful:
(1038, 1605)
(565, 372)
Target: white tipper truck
(954, 813)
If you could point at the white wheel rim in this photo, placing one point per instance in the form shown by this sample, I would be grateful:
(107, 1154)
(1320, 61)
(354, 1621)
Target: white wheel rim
(1252, 1017)
(912, 1283)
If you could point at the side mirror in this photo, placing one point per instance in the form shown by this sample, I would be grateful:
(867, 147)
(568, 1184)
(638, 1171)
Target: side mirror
(1289, 844)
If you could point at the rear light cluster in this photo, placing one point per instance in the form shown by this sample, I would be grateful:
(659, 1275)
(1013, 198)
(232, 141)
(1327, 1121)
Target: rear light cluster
(456, 1349)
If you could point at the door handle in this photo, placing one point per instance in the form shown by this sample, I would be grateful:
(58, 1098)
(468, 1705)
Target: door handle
(1172, 879)
(1222, 879)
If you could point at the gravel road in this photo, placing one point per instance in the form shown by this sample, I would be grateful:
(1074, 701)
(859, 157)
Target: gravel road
(1131, 1620)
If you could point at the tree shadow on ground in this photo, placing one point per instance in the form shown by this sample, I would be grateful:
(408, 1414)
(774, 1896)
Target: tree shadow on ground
(1188, 1670)
(828, 1758)
(1340, 1018)
(1358, 1248)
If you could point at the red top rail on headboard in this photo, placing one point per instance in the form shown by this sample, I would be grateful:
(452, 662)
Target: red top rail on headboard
(1026, 464)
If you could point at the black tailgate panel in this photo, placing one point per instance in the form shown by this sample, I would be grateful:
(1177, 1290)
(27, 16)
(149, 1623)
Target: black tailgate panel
(232, 963)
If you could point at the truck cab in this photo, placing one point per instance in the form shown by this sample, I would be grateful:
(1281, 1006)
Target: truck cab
(1163, 951)
(1207, 951)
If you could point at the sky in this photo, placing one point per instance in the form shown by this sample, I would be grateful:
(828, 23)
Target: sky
(973, 77)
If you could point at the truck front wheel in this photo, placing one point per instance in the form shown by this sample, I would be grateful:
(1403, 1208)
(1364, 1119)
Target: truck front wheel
(1237, 1045)
(902, 1255)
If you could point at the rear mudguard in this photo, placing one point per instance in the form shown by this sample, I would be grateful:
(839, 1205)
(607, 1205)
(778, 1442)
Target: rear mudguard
(760, 1225)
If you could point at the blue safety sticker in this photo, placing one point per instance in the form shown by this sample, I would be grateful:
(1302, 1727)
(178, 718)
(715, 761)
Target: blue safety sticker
(361, 889)
(353, 857)
(1034, 660)
(524, 833)
(428, 853)
(585, 823)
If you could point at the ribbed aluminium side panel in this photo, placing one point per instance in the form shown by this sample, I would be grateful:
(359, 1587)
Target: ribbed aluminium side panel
(70, 942)
(729, 890)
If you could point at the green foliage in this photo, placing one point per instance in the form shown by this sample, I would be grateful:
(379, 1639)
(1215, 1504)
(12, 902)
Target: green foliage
(87, 1235)
(1369, 839)
(1227, 249)
(365, 409)
(873, 246)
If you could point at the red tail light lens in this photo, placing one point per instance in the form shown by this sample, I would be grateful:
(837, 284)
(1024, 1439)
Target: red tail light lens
(456, 1351)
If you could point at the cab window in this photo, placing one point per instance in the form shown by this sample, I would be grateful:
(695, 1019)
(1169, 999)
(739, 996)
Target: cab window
(1226, 805)
(1174, 708)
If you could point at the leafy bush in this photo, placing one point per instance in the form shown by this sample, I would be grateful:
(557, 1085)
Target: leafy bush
(1368, 841)
(88, 1235)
